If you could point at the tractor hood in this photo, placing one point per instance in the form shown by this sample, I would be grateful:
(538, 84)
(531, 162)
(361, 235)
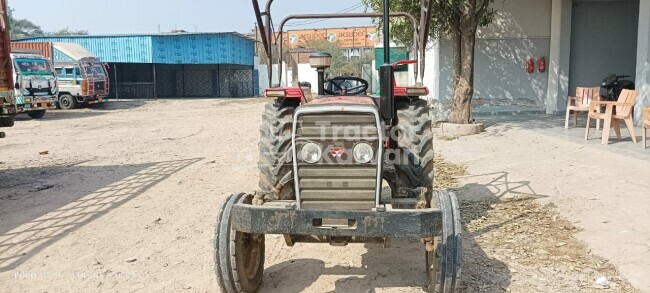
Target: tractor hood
(342, 100)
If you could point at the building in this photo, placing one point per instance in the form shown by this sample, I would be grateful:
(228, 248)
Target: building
(355, 42)
(174, 65)
(581, 41)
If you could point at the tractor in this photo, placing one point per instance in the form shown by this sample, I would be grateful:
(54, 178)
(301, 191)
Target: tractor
(324, 161)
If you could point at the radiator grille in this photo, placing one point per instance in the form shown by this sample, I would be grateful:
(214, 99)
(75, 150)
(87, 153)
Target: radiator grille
(337, 182)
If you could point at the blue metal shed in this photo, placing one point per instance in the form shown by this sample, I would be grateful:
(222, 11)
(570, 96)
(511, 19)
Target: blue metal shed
(172, 64)
(167, 48)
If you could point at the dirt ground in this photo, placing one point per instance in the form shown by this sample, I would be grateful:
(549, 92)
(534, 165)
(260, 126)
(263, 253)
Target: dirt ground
(123, 198)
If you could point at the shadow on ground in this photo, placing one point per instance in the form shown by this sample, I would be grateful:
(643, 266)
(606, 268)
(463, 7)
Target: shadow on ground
(54, 115)
(39, 206)
(116, 105)
(85, 111)
(493, 186)
(501, 125)
(403, 264)
(553, 126)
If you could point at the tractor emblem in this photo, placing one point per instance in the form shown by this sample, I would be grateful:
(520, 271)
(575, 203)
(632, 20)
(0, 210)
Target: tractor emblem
(331, 37)
(372, 35)
(293, 38)
(337, 152)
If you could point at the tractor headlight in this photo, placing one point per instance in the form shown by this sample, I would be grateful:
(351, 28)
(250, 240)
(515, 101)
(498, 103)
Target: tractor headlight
(363, 153)
(311, 152)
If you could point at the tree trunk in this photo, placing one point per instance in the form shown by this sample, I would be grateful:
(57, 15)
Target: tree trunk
(456, 50)
(461, 109)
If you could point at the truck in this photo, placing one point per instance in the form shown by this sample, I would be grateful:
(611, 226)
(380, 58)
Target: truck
(82, 77)
(7, 99)
(36, 84)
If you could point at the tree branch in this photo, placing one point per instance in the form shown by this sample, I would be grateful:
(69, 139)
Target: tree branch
(483, 7)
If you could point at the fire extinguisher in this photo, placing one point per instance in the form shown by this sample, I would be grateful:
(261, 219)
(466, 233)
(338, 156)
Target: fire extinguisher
(530, 66)
(542, 65)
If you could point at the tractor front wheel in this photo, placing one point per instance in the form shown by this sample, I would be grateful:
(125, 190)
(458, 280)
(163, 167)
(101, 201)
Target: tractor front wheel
(444, 262)
(238, 256)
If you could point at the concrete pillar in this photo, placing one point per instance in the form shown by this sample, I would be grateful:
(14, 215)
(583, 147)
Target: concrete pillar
(559, 59)
(643, 60)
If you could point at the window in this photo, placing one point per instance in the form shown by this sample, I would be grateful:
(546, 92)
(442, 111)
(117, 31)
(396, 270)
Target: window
(30, 66)
(59, 71)
(99, 70)
(68, 72)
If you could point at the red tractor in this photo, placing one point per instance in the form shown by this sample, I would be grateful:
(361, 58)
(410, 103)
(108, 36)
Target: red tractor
(323, 161)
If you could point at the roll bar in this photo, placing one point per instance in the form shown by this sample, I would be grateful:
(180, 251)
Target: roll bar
(344, 15)
(420, 35)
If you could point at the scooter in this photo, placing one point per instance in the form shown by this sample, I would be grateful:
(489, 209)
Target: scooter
(612, 86)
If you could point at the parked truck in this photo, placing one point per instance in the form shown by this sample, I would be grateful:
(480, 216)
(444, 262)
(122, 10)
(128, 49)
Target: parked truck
(36, 84)
(7, 100)
(82, 77)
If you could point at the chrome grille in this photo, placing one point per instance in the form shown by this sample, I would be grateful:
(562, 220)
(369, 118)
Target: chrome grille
(337, 182)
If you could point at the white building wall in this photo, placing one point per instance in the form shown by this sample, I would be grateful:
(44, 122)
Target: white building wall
(264, 76)
(643, 61)
(431, 78)
(521, 30)
(308, 74)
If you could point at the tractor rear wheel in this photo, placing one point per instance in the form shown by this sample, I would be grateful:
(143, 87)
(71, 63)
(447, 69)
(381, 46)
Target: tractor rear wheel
(414, 161)
(275, 158)
(238, 256)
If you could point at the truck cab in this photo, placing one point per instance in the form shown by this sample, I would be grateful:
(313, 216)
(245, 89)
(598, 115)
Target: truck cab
(36, 84)
(83, 78)
(82, 82)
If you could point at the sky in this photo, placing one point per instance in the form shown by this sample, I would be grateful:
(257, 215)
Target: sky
(145, 16)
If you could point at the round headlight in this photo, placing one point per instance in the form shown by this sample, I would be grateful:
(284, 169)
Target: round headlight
(363, 153)
(311, 152)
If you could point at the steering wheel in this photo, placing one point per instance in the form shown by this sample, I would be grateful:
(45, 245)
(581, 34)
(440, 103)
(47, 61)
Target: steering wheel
(346, 91)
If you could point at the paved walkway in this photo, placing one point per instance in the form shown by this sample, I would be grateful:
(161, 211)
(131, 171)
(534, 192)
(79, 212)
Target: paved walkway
(605, 190)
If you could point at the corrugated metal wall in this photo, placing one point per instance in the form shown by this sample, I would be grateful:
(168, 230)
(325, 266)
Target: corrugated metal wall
(44, 47)
(204, 48)
(122, 49)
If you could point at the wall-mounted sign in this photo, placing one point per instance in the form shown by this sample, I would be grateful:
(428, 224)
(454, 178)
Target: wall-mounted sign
(355, 37)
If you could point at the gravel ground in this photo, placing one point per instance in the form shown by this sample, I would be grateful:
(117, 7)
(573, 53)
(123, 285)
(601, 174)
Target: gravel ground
(123, 197)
